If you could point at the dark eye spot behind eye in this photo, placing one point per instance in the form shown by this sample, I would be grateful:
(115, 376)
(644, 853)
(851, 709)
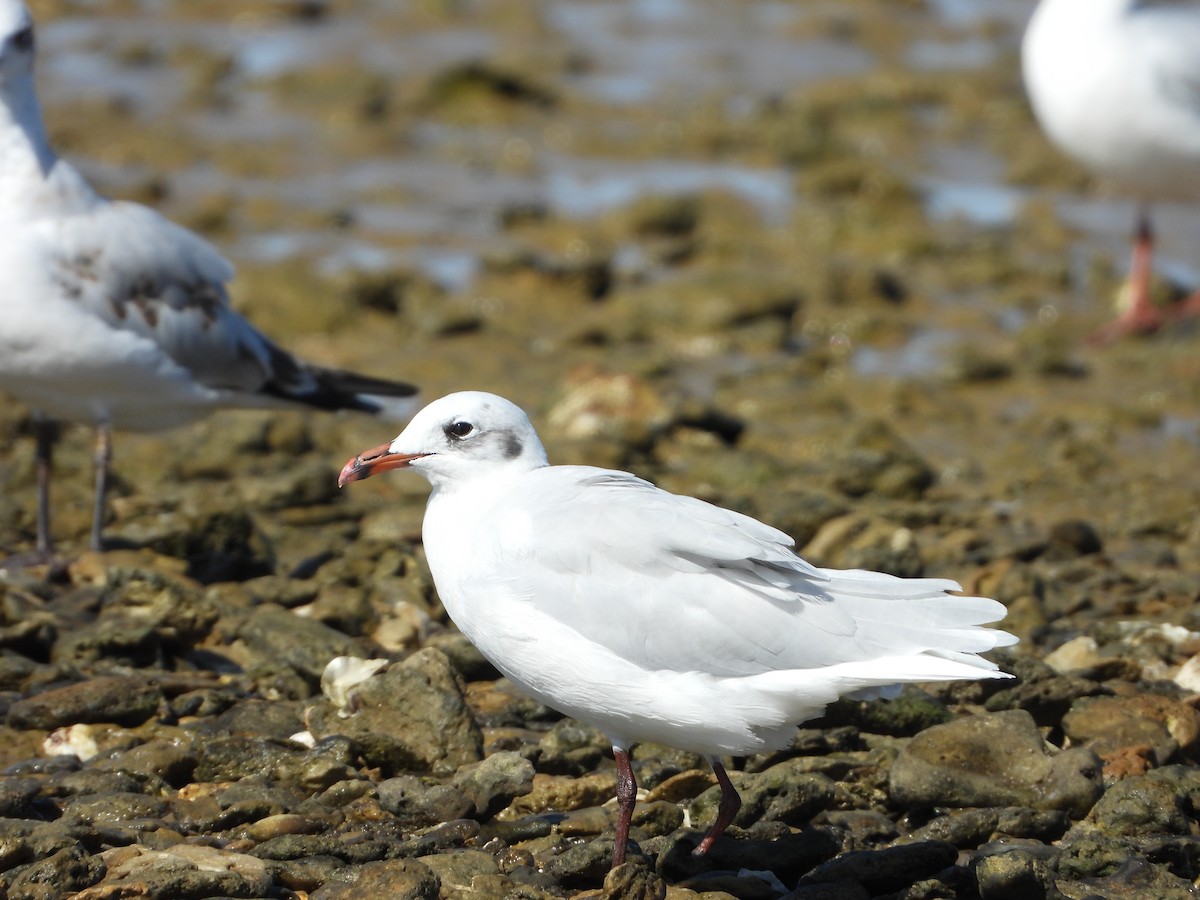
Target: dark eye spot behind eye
(24, 38)
(512, 446)
(456, 431)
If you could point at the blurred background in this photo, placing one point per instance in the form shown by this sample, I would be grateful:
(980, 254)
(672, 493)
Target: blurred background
(742, 247)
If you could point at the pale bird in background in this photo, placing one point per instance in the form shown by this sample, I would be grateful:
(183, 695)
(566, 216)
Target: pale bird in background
(113, 316)
(1115, 84)
(654, 616)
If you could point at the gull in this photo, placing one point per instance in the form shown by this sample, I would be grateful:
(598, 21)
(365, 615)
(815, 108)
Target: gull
(655, 616)
(113, 316)
(1115, 84)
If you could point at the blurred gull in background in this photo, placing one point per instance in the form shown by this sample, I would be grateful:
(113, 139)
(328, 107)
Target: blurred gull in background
(116, 317)
(1115, 84)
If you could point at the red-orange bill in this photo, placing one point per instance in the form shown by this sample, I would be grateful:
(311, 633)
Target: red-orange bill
(372, 462)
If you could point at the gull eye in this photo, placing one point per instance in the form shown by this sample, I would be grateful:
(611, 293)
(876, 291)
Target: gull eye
(456, 431)
(23, 39)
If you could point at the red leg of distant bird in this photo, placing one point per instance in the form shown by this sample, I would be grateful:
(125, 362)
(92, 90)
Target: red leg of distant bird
(728, 808)
(626, 798)
(1141, 317)
(103, 459)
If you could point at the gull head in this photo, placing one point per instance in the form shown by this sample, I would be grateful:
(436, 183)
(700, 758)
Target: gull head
(16, 41)
(463, 436)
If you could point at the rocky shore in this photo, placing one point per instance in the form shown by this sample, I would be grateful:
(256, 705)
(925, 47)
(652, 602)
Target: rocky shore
(896, 388)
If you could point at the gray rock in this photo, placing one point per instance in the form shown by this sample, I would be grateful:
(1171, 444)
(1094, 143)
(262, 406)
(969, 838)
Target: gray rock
(1020, 872)
(275, 634)
(183, 871)
(658, 817)
(1108, 724)
(888, 869)
(16, 796)
(109, 698)
(972, 827)
(1136, 878)
(251, 717)
(494, 782)
(348, 848)
(418, 804)
(459, 868)
(410, 716)
(233, 758)
(113, 808)
(463, 655)
(169, 761)
(1163, 801)
(910, 713)
(997, 759)
(571, 747)
(859, 541)
(878, 461)
(1041, 691)
(64, 872)
(783, 793)
(789, 855)
(396, 879)
(580, 864)
(633, 881)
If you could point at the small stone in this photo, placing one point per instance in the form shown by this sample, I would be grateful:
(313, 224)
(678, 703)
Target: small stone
(783, 793)
(109, 698)
(410, 716)
(396, 879)
(493, 783)
(70, 871)
(876, 460)
(1108, 724)
(459, 868)
(997, 759)
(633, 881)
(888, 869)
(1022, 872)
(418, 804)
(307, 646)
(1078, 653)
(1072, 538)
(562, 793)
(1160, 802)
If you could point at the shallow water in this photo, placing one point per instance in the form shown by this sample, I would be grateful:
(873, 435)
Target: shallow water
(662, 56)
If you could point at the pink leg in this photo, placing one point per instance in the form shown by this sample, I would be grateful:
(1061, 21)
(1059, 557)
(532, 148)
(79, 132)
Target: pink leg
(626, 797)
(728, 808)
(1142, 317)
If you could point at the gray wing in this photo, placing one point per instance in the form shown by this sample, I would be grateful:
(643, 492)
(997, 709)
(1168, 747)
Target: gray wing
(139, 272)
(674, 583)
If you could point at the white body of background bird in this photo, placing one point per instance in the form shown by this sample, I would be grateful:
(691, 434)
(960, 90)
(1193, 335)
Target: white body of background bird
(113, 316)
(1115, 84)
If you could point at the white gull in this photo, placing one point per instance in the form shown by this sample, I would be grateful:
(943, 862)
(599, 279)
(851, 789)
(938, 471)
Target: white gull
(113, 316)
(1115, 84)
(655, 616)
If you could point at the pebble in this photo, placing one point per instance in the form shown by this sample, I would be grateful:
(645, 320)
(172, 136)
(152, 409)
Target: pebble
(995, 759)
